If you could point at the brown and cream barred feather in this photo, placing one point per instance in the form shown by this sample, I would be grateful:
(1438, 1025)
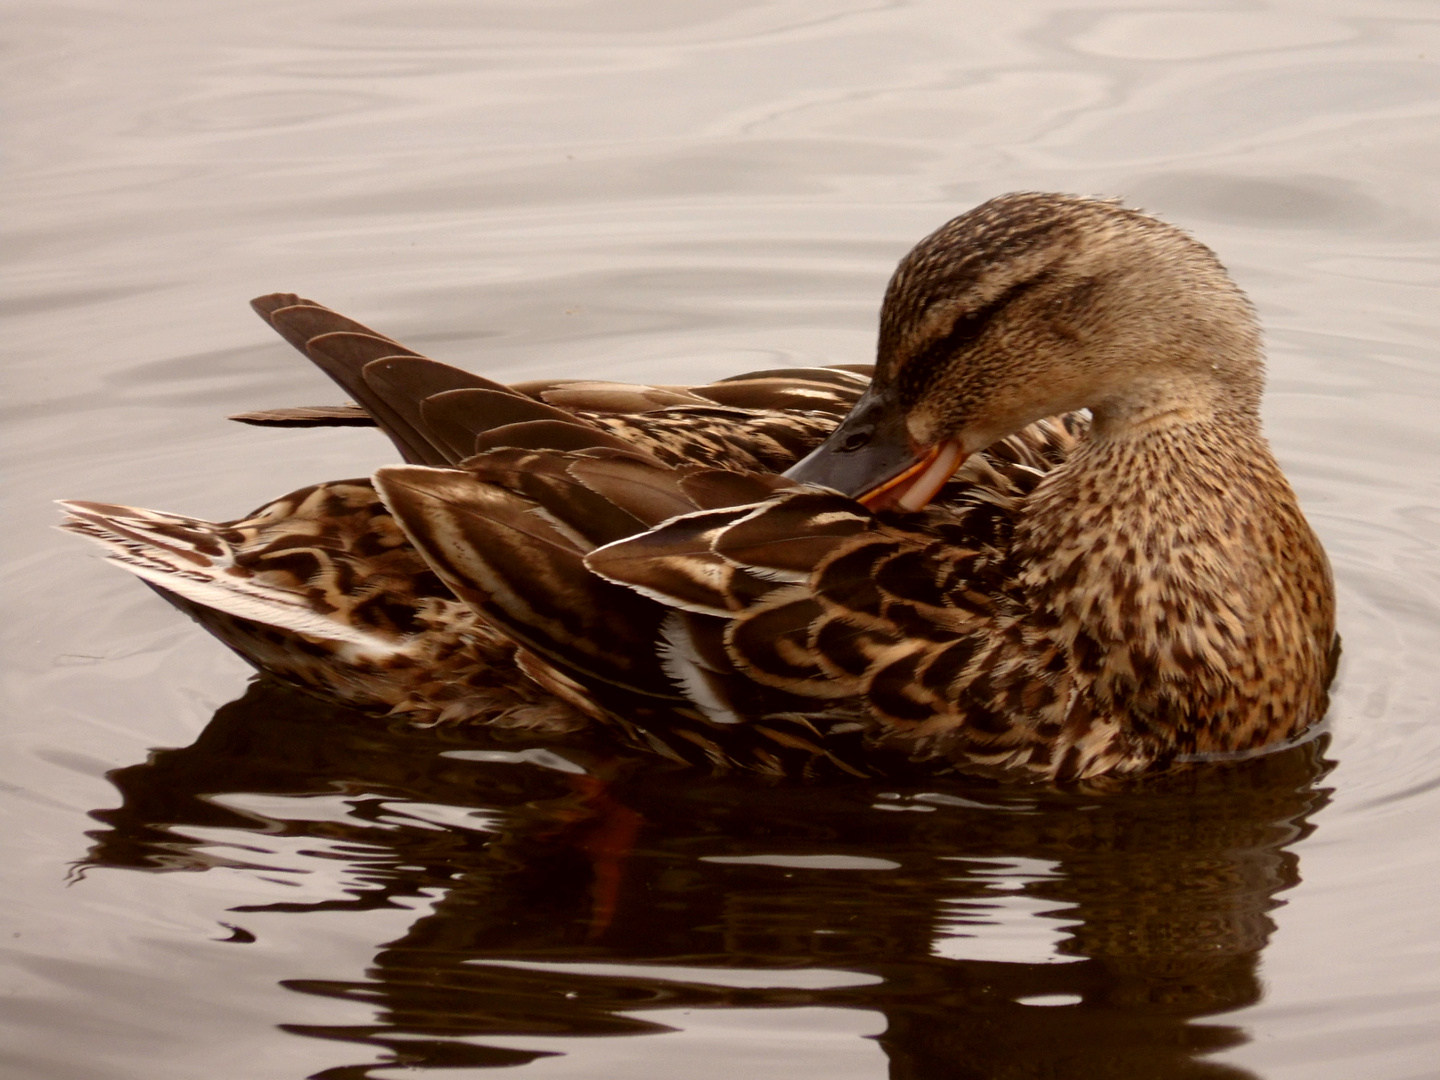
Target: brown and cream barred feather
(322, 589)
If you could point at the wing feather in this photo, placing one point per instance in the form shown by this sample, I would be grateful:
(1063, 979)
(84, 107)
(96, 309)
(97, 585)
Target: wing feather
(529, 577)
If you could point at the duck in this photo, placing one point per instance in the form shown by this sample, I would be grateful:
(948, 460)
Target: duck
(1042, 539)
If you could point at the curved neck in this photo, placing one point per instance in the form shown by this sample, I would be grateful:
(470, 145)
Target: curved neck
(1190, 405)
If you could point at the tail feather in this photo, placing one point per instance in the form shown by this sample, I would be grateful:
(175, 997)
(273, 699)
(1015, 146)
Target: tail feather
(196, 560)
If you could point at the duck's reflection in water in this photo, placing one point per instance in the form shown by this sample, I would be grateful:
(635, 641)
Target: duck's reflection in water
(1001, 933)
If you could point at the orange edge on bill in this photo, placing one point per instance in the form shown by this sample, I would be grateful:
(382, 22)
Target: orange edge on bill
(920, 483)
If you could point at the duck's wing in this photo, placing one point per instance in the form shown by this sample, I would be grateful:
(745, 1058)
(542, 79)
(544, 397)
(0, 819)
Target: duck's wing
(757, 621)
(510, 535)
(921, 618)
(847, 595)
(440, 415)
(413, 399)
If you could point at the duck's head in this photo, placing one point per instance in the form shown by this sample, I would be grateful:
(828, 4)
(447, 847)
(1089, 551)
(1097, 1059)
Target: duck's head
(1032, 305)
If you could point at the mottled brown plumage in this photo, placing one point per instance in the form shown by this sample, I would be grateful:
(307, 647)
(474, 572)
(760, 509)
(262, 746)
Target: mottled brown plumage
(1088, 594)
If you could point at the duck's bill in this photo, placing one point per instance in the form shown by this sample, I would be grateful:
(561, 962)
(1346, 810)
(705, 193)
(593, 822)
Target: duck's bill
(918, 484)
(886, 472)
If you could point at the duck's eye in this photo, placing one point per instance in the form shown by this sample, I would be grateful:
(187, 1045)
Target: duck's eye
(856, 439)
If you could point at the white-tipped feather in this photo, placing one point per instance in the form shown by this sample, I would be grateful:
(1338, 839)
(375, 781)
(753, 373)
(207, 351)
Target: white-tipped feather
(683, 663)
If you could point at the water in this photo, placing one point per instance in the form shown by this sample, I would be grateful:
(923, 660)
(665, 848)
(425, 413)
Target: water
(661, 191)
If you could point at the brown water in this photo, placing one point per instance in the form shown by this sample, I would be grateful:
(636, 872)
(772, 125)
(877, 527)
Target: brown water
(675, 191)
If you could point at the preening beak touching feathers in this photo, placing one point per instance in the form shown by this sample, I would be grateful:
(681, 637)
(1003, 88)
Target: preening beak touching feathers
(1044, 539)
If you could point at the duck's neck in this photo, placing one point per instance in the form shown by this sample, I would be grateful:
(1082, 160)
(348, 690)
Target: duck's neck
(1161, 558)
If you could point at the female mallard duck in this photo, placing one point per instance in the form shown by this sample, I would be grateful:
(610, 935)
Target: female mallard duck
(967, 573)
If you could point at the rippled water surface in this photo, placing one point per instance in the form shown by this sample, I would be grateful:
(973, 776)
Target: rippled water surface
(205, 877)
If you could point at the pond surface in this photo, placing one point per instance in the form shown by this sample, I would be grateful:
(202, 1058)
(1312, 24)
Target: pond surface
(209, 877)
